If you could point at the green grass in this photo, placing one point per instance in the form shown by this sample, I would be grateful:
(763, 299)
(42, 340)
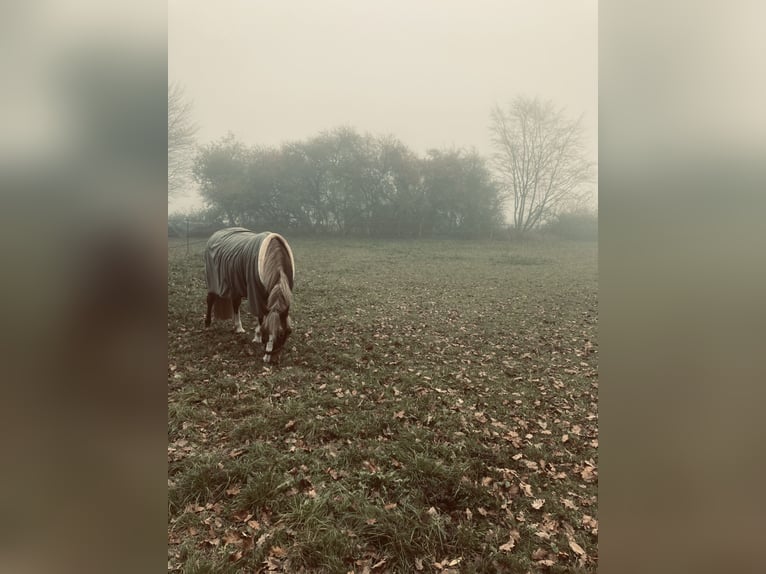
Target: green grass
(428, 388)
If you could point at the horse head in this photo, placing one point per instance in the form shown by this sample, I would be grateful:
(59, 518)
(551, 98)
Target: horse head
(275, 329)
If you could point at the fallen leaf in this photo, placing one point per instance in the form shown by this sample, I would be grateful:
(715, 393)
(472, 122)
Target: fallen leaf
(590, 522)
(569, 504)
(537, 503)
(419, 564)
(232, 538)
(588, 474)
(513, 537)
(290, 425)
(576, 548)
(527, 488)
(390, 506)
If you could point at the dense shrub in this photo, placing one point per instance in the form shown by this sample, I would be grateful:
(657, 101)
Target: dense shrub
(582, 225)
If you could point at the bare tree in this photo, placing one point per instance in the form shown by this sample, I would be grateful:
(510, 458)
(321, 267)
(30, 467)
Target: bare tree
(181, 131)
(540, 160)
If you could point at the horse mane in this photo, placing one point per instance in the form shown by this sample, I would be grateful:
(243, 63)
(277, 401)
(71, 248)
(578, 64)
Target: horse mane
(276, 277)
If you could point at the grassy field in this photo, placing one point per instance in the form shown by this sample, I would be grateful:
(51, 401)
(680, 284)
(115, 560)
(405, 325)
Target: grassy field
(435, 410)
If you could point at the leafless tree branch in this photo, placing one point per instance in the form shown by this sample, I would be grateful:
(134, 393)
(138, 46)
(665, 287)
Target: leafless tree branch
(539, 160)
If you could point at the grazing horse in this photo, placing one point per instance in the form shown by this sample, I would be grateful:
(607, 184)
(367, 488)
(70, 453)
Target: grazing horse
(259, 267)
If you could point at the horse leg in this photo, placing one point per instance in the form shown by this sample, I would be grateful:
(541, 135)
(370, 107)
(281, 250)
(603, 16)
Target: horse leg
(257, 337)
(237, 321)
(210, 301)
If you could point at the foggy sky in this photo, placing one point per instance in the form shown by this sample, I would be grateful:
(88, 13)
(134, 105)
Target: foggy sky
(425, 71)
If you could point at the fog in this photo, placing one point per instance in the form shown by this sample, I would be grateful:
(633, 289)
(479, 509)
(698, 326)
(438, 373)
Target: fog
(427, 72)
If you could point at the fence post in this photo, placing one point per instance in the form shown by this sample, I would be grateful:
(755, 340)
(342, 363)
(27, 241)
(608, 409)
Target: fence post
(187, 236)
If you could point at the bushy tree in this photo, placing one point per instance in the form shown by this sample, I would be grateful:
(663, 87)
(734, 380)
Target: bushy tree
(344, 182)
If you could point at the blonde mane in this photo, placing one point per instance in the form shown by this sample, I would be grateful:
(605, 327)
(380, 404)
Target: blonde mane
(274, 266)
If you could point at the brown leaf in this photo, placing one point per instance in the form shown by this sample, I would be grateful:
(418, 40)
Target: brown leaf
(278, 552)
(513, 537)
(590, 522)
(537, 503)
(232, 537)
(243, 515)
(576, 548)
(588, 474)
(290, 425)
(527, 488)
(569, 504)
(390, 506)
(419, 564)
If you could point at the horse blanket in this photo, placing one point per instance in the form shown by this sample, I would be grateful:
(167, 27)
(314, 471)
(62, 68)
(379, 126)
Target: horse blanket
(234, 265)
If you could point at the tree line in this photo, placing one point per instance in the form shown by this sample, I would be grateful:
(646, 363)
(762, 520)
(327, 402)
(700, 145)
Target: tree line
(346, 183)
(343, 182)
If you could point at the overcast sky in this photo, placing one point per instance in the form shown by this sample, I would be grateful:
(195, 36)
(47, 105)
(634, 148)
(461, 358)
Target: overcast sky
(425, 71)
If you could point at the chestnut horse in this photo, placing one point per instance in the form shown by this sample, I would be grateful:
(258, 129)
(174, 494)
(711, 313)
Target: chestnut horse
(259, 267)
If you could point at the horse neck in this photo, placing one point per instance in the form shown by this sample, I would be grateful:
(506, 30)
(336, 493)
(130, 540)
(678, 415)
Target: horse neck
(279, 293)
